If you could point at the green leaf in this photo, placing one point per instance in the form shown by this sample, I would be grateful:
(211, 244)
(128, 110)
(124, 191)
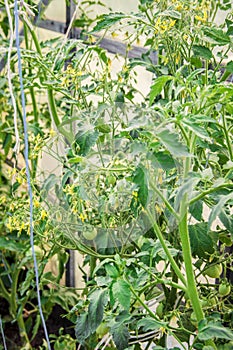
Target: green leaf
(196, 210)
(163, 160)
(186, 188)
(202, 118)
(140, 178)
(158, 250)
(229, 67)
(111, 270)
(75, 160)
(88, 322)
(104, 128)
(121, 292)
(7, 143)
(200, 240)
(7, 243)
(120, 336)
(172, 143)
(171, 13)
(218, 208)
(202, 51)
(148, 323)
(49, 183)
(82, 330)
(214, 330)
(37, 323)
(65, 178)
(229, 24)
(195, 126)
(216, 36)
(158, 86)
(86, 140)
(227, 220)
(123, 317)
(98, 300)
(107, 20)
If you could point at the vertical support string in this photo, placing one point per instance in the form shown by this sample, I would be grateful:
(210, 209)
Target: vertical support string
(26, 155)
(3, 335)
(17, 140)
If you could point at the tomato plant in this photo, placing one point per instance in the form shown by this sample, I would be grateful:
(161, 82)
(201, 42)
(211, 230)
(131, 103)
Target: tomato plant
(144, 187)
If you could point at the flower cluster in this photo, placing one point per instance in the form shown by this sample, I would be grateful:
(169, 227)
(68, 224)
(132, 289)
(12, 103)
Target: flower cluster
(71, 76)
(163, 25)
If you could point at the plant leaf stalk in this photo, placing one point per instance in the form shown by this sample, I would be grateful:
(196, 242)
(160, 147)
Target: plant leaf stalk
(228, 141)
(165, 248)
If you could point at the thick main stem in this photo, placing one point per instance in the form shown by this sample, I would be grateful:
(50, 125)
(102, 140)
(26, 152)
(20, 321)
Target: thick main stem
(186, 249)
(187, 255)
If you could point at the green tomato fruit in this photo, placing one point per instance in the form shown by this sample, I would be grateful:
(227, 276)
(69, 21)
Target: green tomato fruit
(102, 329)
(226, 239)
(110, 180)
(224, 289)
(159, 310)
(193, 319)
(212, 301)
(90, 234)
(214, 271)
(38, 252)
(204, 303)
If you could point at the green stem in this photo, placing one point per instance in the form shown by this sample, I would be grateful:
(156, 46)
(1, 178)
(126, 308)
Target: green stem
(165, 248)
(228, 141)
(4, 292)
(151, 313)
(161, 280)
(187, 255)
(168, 205)
(51, 101)
(34, 162)
(211, 190)
(31, 89)
(186, 249)
(14, 308)
(92, 265)
(53, 111)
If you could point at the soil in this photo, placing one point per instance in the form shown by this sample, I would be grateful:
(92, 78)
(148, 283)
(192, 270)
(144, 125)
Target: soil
(55, 322)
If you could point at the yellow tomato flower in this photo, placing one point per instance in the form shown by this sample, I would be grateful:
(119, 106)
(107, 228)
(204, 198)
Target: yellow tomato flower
(3, 199)
(36, 203)
(43, 214)
(52, 132)
(83, 217)
(114, 34)
(202, 19)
